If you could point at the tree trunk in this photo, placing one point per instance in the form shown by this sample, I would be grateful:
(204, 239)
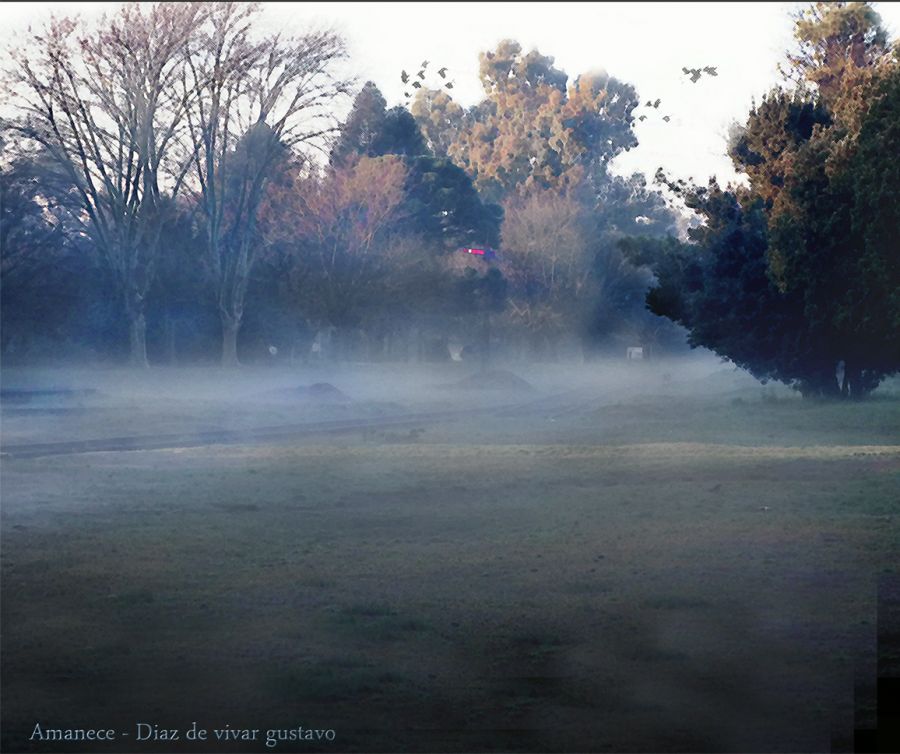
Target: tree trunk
(230, 328)
(169, 330)
(137, 329)
(853, 377)
(822, 383)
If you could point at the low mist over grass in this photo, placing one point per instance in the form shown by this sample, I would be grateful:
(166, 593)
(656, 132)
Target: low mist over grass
(346, 408)
(632, 556)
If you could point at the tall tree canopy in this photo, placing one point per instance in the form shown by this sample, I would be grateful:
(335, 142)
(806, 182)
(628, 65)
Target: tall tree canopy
(42, 255)
(103, 106)
(250, 100)
(531, 129)
(338, 232)
(797, 276)
(836, 41)
(441, 205)
(158, 102)
(371, 130)
(542, 147)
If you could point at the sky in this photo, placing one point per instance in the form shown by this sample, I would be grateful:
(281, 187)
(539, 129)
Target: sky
(645, 44)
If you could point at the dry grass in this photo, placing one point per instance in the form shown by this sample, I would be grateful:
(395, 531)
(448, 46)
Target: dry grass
(467, 590)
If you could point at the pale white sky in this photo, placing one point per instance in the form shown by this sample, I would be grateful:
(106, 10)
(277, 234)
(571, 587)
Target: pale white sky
(645, 44)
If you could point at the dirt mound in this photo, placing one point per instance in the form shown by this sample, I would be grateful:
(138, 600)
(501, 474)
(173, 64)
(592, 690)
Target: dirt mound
(498, 379)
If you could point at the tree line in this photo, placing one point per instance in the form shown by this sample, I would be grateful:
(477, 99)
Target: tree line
(127, 122)
(176, 171)
(174, 161)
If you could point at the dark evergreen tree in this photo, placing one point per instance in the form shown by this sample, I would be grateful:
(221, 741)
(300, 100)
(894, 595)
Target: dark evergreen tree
(797, 276)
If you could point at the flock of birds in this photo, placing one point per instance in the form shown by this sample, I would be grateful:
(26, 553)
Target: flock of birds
(655, 106)
(406, 78)
(694, 74)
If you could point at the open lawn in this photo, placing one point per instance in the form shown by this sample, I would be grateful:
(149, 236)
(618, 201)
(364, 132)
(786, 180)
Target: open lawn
(687, 565)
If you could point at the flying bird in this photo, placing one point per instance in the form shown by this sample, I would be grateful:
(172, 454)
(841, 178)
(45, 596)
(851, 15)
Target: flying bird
(656, 104)
(406, 94)
(416, 85)
(449, 85)
(425, 64)
(421, 75)
(404, 76)
(666, 118)
(642, 117)
(442, 72)
(694, 73)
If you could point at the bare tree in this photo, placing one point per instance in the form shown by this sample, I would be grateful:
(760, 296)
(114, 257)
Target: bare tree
(104, 106)
(251, 102)
(548, 254)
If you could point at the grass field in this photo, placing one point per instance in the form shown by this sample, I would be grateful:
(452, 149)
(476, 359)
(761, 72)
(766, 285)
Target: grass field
(682, 566)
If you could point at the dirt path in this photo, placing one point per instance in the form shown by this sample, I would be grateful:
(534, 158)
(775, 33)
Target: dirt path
(562, 402)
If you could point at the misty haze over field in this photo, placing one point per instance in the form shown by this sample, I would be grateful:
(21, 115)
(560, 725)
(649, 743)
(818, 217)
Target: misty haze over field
(391, 413)
(644, 554)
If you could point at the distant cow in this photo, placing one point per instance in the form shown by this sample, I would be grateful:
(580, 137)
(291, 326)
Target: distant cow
(634, 353)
